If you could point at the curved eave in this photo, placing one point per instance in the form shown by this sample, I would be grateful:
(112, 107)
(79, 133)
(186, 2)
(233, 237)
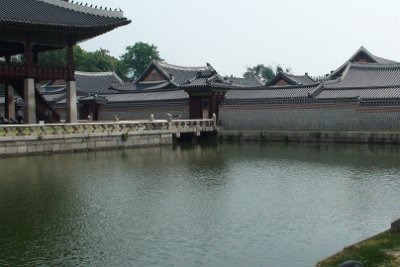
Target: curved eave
(113, 22)
(76, 31)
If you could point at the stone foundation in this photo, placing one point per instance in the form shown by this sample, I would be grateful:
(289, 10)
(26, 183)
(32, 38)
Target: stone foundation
(18, 146)
(311, 136)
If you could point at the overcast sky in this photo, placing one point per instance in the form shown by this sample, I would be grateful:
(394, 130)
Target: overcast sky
(313, 36)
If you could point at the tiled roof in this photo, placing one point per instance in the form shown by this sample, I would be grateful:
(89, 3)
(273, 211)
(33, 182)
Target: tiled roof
(54, 98)
(58, 13)
(132, 86)
(301, 79)
(95, 82)
(249, 82)
(292, 79)
(363, 93)
(209, 79)
(274, 93)
(180, 74)
(361, 51)
(99, 99)
(162, 95)
(368, 75)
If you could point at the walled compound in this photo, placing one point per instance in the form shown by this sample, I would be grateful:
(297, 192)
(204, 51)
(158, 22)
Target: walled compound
(361, 95)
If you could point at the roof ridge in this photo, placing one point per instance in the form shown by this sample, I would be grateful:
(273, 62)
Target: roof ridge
(375, 65)
(167, 65)
(275, 87)
(88, 73)
(85, 8)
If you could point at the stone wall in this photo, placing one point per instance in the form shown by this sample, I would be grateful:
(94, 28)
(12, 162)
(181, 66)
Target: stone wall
(18, 146)
(342, 116)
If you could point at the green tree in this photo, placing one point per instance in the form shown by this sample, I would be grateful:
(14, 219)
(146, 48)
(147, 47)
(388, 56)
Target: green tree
(97, 61)
(261, 71)
(138, 57)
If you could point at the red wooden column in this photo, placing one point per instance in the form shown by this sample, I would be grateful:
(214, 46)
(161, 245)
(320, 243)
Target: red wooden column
(29, 86)
(72, 113)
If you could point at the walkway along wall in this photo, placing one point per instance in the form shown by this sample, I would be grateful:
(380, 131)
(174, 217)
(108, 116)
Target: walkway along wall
(35, 138)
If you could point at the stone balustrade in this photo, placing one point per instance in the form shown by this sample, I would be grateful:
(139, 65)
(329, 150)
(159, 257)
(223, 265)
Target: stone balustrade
(89, 129)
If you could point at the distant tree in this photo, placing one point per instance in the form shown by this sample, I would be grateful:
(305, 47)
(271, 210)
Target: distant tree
(261, 71)
(53, 57)
(97, 61)
(279, 69)
(138, 57)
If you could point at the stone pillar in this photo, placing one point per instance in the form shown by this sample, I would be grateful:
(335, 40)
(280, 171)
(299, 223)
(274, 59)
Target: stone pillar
(29, 101)
(72, 114)
(10, 104)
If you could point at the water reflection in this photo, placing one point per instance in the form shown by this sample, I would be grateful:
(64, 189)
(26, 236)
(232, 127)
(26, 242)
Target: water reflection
(204, 205)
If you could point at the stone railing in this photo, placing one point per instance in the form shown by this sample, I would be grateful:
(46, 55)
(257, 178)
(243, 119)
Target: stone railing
(66, 130)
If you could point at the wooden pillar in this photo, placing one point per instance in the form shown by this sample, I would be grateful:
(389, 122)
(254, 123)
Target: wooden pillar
(36, 58)
(72, 113)
(28, 58)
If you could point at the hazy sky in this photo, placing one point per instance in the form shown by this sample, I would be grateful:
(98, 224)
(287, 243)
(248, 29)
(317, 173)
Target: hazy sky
(313, 36)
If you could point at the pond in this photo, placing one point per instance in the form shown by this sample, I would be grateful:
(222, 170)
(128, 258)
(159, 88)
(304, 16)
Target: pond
(245, 204)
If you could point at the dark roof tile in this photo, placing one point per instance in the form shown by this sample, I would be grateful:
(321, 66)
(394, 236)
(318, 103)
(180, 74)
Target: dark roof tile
(367, 75)
(274, 93)
(57, 13)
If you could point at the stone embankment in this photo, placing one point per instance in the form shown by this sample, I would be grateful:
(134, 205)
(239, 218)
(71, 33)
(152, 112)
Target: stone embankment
(16, 140)
(311, 136)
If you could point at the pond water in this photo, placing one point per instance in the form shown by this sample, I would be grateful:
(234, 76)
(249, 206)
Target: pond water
(206, 205)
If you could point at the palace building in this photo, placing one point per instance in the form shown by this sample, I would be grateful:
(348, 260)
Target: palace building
(361, 94)
(30, 27)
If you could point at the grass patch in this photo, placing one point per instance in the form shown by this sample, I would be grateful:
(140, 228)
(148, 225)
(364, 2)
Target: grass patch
(382, 250)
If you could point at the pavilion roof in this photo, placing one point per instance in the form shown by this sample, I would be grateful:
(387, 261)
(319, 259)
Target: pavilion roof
(81, 22)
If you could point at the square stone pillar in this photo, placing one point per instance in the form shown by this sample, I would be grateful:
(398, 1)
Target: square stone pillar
(10, 104)
(29, 101)
(72, 113)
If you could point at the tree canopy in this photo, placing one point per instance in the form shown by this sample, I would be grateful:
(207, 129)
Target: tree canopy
(266, 73)
(261, 71)
(97, 61)
(132, 63)
(138, 57)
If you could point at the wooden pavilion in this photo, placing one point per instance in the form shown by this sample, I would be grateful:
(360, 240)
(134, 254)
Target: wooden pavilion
(29, 27)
